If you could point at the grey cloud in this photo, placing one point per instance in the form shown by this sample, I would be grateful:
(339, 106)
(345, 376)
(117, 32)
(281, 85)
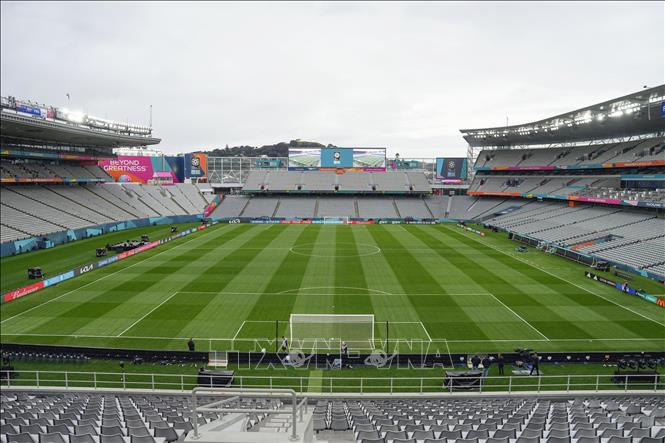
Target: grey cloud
(402, 75)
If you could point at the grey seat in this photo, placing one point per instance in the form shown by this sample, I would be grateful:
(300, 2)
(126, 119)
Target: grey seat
(559, 433)
(607, 433)
(450, 435)
(54, 437)
(617, 439)
(138, 431)
(497, 440)
(112, 430)
(532, 433)
(362, 435)
(85, 429)
(8, 428)
(339, 425)
(81, 438)
(386, 428)
(633, 410)
(639, 433)
(522, 439)
(23, 437)
(505, 433)
(363, 427)
(483, 434)
(61, 429)
(590, 439)
(319, 424)
(168, 433)
(421, 434)
(185, 426)
(31, 429)
(392, 435)
(558, 439)
(115, 438)
(462, 428)
(142, 439)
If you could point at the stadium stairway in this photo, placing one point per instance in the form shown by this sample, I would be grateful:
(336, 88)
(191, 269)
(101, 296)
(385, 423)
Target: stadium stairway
(242, 211)
(396, 209)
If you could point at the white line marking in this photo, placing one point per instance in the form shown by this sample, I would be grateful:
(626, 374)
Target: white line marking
(520, 317)
(434, 340)
(108, 275)
(333, 287)
(377, 292)
(149, 312)
(239, 329)
(450, 356)
(562, 279)
(425, 329)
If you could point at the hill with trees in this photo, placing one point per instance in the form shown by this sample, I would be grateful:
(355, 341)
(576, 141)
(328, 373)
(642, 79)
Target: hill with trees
(277, 150)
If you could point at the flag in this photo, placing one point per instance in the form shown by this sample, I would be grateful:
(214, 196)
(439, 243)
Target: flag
(68, 97)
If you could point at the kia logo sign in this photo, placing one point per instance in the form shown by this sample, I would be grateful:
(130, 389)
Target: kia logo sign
(234, 221)
(86, 268)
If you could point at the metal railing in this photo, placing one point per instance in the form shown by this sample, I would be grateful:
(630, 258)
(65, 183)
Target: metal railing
(297, 408)
(339, 384)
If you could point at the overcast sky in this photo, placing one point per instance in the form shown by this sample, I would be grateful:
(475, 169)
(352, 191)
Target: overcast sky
(405, 76)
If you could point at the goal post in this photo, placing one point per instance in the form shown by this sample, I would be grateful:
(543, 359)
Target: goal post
(329, 330)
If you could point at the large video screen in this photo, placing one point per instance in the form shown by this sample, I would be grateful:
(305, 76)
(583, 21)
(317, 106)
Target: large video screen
(451, 168)
(325, 159)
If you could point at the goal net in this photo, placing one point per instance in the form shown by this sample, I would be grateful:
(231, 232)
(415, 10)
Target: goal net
(327, 331)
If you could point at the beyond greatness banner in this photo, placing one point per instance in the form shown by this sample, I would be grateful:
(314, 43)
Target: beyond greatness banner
(137, 169)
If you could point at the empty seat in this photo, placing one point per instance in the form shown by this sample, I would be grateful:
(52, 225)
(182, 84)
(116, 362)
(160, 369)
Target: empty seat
(19, 438)
(168, 433)
(54, 437)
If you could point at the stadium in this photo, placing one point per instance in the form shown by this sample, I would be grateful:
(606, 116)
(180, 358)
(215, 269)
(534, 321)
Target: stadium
(335, 294)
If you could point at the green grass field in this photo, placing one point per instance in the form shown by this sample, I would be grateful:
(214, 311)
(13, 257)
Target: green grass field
(65, 257)
(368, 161)
(441, 288)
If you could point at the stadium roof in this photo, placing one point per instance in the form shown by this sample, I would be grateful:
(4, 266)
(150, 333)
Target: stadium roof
(28, 129)
(633, 114)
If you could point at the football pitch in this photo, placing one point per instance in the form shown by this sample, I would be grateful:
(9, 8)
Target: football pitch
(430, 288)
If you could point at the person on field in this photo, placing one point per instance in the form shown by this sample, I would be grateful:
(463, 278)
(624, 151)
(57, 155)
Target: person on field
(486, 365)
(285, 344)
(475, 362)
(535, 360)
(499, 363)
(190, 344)
(345, 353)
